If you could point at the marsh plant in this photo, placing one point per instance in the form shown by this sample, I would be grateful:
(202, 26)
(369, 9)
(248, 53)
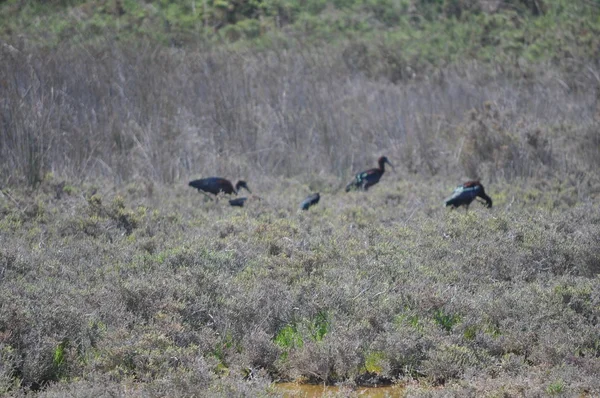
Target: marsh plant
(197, 298)
(118, 279)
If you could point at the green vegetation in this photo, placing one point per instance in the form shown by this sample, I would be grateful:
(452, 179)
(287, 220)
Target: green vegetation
(374, 362)
(408, 34)
(556, 388)
(117, 279)
(186, 304)
(289, 337)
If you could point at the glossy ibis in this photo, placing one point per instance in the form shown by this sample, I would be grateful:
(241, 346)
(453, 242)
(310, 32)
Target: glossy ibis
(241, 202)
(368, 178)
(238, 202)
(310, 201)
(216, 185)
(465, 193)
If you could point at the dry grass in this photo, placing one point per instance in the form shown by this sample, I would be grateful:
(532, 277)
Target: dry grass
(167, 115)
(156, 293)
(118, 279)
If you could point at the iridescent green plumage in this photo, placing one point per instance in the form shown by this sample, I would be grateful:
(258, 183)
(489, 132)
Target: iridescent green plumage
(368, 178)
(465, 193)
(216, 185)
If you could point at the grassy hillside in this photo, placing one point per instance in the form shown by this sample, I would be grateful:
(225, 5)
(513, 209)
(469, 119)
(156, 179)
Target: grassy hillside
(423, 32)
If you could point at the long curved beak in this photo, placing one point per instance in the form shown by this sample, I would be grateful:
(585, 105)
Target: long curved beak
(391, 165)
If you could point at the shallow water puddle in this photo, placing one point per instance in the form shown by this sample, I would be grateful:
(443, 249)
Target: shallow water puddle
(317, 391)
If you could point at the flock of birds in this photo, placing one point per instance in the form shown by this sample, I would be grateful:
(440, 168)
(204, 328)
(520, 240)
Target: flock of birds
(463, 195)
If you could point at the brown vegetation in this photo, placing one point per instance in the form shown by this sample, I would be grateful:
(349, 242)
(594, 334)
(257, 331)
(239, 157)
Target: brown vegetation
(118, 279)
(167, 115)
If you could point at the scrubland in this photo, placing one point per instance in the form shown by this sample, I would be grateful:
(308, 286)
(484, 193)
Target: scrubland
(150, 291)
(117, 279)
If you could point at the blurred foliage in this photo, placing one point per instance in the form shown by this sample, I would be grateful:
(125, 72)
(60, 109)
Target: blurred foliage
(180, 303)
(117, 279)
(419, 32)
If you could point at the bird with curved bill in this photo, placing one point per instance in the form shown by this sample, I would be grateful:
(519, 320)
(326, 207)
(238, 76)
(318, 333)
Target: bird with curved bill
(237, 202)
(366, 179)
(217, 185)
(310, 200)
(466, 193)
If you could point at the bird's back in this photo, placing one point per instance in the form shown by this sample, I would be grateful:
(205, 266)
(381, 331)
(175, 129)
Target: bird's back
(238, 202)
(463, 195)
(310, 201)
(365, 179)
(371, 177)
(213, 185)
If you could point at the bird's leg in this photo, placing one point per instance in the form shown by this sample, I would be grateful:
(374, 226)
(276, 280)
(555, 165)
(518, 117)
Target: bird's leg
(220, 195)
(206, 196)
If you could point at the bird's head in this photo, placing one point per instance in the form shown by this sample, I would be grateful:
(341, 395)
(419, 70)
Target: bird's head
(242, 184)
(383, 160)
(484, 196)
(488, 202)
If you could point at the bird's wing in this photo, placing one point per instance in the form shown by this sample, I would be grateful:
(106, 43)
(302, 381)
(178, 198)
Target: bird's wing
(457, 192)
(462, 192)
(466, 192)
(238, 202)
(365, 174)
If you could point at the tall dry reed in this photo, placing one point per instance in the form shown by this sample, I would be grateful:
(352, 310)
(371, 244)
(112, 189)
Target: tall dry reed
(171, 114)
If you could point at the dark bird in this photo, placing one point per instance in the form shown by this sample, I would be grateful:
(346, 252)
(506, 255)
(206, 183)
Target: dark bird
(464, 194)
(216, 185)
(310, 201)
(368, 178)
(238, 202)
